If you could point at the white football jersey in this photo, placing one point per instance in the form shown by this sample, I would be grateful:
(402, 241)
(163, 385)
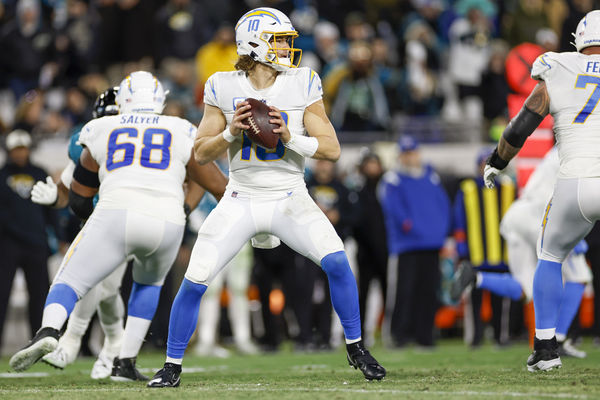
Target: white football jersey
(573, 84)
(142, 160)
(253, 168)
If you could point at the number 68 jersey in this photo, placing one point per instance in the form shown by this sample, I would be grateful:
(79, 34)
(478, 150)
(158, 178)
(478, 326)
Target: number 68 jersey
(573, 84)
(252, 168)
(142, 159)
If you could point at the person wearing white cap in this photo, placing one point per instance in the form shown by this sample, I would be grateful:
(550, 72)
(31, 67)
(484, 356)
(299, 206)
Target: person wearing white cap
(23, 238)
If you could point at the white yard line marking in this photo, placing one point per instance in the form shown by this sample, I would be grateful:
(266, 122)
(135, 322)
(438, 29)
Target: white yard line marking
(266, 388)
(24, 374)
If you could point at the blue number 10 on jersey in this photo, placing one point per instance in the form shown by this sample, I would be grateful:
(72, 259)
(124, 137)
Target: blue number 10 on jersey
(126, 151)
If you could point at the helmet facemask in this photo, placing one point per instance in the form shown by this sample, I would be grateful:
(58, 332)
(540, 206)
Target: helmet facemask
(273, 40)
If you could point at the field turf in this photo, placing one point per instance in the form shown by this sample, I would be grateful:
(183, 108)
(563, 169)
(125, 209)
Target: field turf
(452, 371)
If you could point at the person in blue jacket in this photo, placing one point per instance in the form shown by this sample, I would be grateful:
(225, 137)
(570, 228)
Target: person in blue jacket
(417, 218)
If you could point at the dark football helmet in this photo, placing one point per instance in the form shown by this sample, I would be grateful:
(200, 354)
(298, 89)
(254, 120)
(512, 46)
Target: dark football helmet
(106, 103)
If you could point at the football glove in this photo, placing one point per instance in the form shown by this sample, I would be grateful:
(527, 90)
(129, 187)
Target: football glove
(489, 176)
(45, 193)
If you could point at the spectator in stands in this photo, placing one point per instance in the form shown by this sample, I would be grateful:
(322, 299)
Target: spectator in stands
(529, 17)
(356, 27)
(179, 80)
(181, 28)
(417, 219)
(468, 57)
(370, 236)
(354, 94)
(577, 10)
(76, 43)
(435, 13)
(29, 111)
(328, 48)
(26, 45)
(217, 55)
(494, 91)
(420, 93)
(337, 11)
(126, 33)
(23, 237)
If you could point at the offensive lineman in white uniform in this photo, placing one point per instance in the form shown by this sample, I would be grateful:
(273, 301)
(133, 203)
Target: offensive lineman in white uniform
(520, 228)
(137, 161)
(266, 193)
(569, 90)
(104, 297)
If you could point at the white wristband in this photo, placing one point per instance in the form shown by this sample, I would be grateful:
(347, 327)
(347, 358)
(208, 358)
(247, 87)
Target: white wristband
(227, 135)
(303, 145)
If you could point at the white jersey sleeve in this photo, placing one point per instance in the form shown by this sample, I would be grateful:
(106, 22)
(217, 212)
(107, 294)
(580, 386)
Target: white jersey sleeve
(314, 87)
(86, 135)
(142, 161)
(573, 85)
(542, 65)
(210, 93)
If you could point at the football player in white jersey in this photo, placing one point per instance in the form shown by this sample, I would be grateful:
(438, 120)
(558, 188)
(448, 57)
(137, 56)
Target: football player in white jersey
(520, 228)
(104, 297)
(569, 90)
(137, 161)
(266, 193)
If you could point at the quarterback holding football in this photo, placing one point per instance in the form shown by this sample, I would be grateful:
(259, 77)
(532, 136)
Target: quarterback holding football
(266, 196)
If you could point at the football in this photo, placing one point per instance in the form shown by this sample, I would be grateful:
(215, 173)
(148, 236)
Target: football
(261, 130)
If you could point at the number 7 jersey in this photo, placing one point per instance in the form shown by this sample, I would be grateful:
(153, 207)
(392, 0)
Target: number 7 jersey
(253, 168)
(573, 84)
(142, 160)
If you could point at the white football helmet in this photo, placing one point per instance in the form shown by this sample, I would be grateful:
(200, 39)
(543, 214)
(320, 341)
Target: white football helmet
(588, 31)
(257, 34)
(141, 92)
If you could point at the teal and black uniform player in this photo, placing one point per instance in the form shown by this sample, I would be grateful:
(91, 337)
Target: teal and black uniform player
(105, 105)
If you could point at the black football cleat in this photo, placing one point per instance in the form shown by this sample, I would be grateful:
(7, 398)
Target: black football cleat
(124, 370)
(359, 357)
(44, 342)
(167, 376)
(545, 355)
(465, 276)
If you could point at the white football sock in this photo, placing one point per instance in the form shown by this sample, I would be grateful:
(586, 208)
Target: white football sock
(54, 316)
(209, 318)
(350, 341)
(239, 315)
(177, 361)
(545, 334)
(113, 332)
(133, 338)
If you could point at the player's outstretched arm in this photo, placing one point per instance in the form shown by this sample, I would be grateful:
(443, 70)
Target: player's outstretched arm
(317, 125)
(209, 176)
(213, 136)
(84, 186)
(50, 194)
(535, 109)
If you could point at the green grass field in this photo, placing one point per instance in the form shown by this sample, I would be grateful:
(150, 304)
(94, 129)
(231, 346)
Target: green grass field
(450, 372)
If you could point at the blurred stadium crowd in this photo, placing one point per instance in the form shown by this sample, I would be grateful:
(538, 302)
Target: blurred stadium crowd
(432, 71)
(379, 60)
